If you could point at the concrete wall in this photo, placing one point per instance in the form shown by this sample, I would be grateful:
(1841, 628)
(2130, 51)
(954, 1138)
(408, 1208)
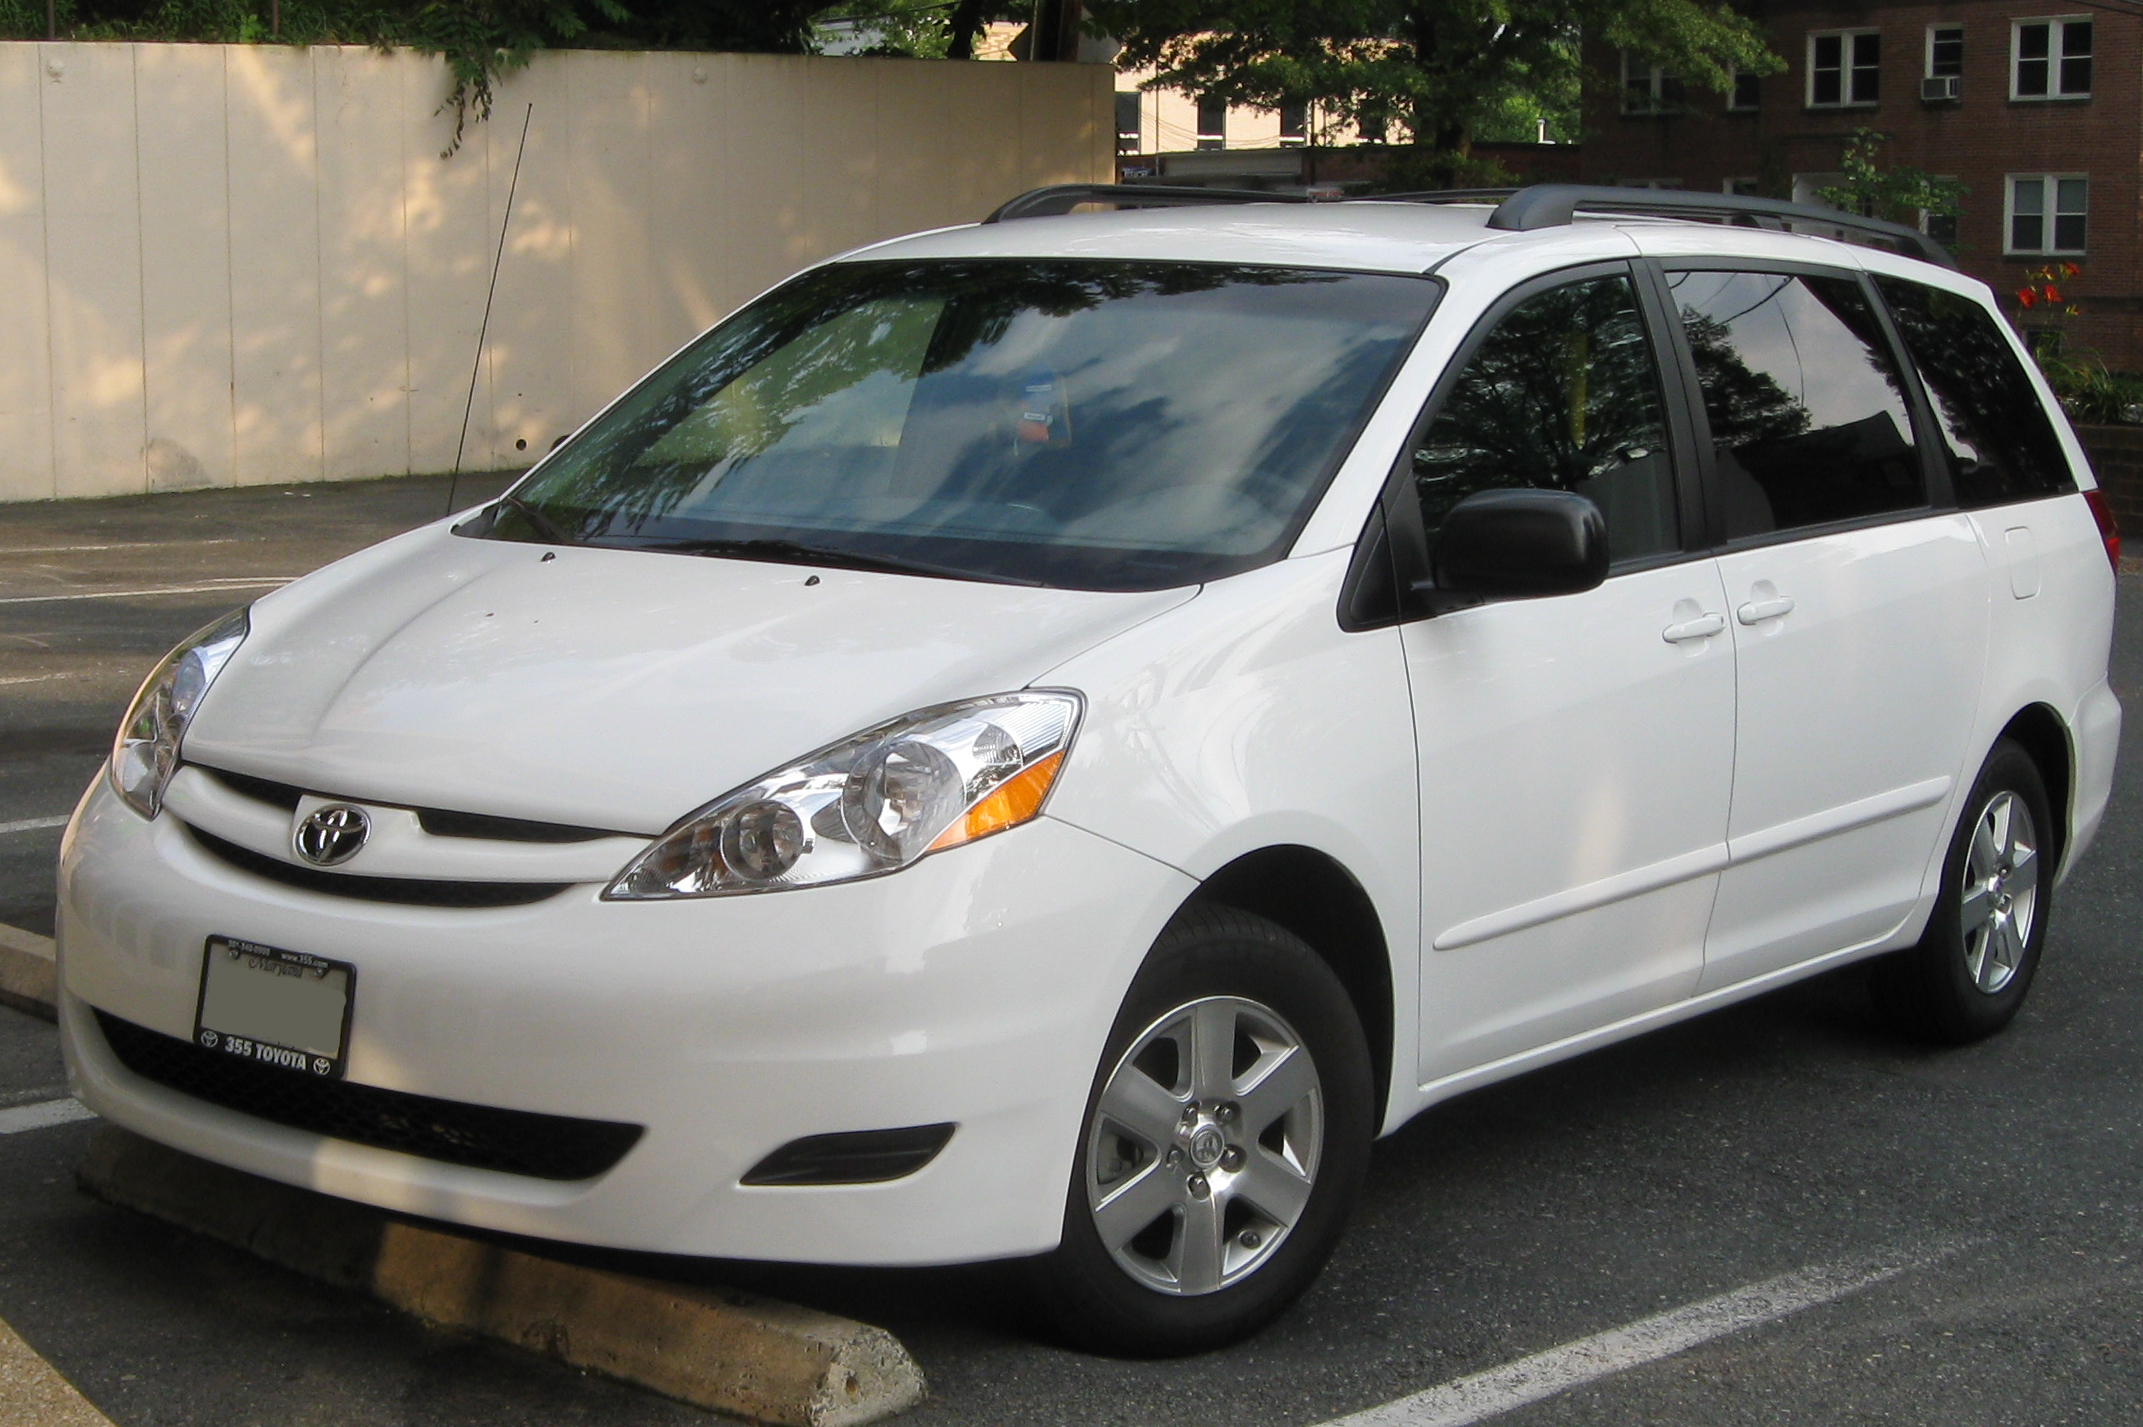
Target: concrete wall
(229, 265)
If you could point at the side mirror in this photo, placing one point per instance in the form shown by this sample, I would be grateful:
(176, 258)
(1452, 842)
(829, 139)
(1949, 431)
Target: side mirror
(1520, 544)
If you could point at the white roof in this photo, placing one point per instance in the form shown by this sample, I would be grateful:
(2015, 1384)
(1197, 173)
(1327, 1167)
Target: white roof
(1363, 234)
(1375, 237)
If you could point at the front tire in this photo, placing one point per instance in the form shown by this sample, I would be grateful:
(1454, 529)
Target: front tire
(1969, 974)
(1225, 1139)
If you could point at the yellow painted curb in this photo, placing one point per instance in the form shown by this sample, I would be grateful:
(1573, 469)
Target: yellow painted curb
(33, 1394)
(757, 1358)
(27, 978)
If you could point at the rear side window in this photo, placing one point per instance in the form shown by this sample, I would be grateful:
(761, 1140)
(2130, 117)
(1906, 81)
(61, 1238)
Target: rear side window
(1809, 421)
(2000, 445)
(1563, 394)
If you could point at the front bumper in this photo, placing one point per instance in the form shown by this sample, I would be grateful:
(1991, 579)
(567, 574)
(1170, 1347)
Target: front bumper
(976, 987)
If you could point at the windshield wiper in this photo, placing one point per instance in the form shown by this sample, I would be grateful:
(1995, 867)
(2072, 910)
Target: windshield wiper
(544, 525)
(795, 552)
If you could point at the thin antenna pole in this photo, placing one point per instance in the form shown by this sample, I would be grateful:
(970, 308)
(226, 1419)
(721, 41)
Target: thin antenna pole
(476, 368)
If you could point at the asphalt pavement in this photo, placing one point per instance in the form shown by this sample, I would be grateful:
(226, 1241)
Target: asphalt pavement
(1998, 1185)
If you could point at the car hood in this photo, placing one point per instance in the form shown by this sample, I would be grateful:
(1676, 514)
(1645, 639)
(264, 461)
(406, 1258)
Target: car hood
(606, 688)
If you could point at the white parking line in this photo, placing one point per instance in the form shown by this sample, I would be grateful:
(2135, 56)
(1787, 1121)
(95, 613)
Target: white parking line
(117, 545)
(1499, 1390)
(34, 824)
(43, 1115)
(209, 587)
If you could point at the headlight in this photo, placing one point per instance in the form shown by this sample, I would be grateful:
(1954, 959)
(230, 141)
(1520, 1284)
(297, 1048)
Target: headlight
(146, 753)
(870, 804)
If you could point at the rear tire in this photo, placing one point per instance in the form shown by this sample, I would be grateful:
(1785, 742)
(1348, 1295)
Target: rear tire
(1225, 1140)
(1970, 972)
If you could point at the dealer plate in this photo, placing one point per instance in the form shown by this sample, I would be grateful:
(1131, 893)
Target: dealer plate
(275, 1007)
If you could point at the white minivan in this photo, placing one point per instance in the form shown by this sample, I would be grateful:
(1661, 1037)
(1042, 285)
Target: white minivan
(1043, 739)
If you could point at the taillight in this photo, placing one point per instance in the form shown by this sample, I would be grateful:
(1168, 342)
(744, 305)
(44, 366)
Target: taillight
(2108, 530)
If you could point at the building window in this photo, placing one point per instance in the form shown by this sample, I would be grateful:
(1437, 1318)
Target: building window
(1295, 123)
(2050, 59)
(1747, 93)
(1212, 124)
(1128, 125)
(1945, 52)
(2047, 213)
(1942, 227)
(1944, 81)
(1844, 68)
(1648, 89)
(1741, 188)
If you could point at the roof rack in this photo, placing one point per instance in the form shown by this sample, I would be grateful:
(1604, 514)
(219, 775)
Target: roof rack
(1523, 210)
(1064, 197)
(1553, 205)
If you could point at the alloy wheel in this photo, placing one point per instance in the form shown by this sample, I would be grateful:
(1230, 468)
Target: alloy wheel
(1204, 1146)
(2000, 892)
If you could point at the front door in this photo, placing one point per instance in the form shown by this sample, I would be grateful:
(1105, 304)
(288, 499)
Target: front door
(1575, 752)
(1859, 617)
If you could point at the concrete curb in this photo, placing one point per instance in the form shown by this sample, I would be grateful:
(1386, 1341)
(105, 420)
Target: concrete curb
(757, 1358)
(28, 980)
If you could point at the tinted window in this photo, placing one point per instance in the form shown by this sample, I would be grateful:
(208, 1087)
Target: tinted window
(1563, 394)
(1809, 422)
(2000, 445)
(1100, 425)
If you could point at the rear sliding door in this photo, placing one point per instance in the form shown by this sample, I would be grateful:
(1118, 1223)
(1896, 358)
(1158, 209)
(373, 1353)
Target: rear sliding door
(1858, 603)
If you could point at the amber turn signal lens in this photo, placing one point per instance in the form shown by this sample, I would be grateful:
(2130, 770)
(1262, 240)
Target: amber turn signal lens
(1014, 801)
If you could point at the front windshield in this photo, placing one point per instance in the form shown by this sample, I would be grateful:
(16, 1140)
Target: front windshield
(1087, 424)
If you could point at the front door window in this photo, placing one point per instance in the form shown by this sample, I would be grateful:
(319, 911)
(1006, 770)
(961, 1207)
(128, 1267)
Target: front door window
(1563, 394)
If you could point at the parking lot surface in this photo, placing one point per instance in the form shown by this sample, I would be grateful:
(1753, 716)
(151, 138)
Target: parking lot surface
(1997, 1188)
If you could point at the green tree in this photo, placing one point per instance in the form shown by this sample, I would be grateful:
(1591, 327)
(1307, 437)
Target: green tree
(1436, 73)
(479, 39)
(1899, 193)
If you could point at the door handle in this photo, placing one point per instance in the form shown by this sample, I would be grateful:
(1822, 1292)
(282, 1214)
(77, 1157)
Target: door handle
(1704, 626)
(1757, 611)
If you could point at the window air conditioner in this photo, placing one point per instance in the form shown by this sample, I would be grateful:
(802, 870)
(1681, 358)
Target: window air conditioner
(1939, 87)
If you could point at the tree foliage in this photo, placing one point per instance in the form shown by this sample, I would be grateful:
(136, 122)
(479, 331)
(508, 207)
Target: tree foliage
(1899, 193)
(1437, 71)
(481, 40)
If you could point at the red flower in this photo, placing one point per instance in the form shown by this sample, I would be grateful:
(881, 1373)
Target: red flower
(2070, 269)
(2026, 297)
(2050, 293)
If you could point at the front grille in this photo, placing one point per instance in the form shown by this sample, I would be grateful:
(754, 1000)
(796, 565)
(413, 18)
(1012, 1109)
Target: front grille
(405, 891)
(261, 790)
(439, 822)
(479, 1136)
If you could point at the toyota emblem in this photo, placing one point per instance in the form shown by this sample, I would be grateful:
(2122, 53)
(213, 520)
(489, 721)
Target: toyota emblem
(332, 834)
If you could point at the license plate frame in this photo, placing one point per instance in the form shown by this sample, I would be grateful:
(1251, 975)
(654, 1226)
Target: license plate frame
(269, 1006)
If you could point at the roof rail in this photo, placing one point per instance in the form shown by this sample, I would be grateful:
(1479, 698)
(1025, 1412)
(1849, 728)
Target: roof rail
(1064, 197)
(1553, 205)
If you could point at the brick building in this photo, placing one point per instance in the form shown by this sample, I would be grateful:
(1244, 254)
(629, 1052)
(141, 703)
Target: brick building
(2036, 107)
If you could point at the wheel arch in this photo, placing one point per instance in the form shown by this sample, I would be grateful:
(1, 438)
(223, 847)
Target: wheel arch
(1314, 896)
(2040, 731)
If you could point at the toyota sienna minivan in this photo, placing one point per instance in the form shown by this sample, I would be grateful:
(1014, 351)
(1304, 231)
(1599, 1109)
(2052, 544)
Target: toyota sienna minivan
(1042, 740)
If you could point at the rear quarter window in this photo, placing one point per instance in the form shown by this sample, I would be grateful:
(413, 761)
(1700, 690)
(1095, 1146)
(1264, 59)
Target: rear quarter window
(1996, 436)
